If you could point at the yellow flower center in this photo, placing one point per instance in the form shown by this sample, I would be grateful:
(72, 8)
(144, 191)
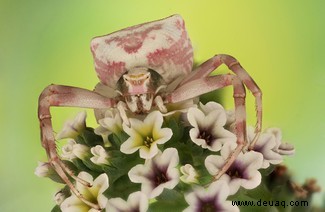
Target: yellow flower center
(148, 141)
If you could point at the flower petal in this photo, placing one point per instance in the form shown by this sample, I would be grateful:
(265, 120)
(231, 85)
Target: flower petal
(215, 195)
(158, 173)
(117, 205)
(148, 153)
(193, 115)
(213, 163)
(72, 128)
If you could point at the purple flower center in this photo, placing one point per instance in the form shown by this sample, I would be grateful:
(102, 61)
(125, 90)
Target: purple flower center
(159, 176)
(206, 135)
(235, 171)
(207, 206)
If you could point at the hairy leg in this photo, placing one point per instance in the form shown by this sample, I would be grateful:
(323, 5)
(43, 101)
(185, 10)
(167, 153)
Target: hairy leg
(205, 69)
(200, 82)
(59, 95)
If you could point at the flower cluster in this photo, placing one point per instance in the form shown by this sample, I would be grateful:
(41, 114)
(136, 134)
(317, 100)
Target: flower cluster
(165, 162)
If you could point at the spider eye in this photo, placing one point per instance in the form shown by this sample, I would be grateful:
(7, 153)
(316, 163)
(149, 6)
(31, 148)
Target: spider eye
(148, 75)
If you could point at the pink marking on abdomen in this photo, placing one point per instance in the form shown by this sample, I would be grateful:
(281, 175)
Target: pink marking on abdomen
(109, 72)
(132, 44)
(133, 41)
(178, 54)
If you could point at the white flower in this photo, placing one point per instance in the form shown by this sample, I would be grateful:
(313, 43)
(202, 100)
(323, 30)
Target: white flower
(100, 155)
(145, 135)
(104, 133)
(111, 123)
(189, 174)
(158, 173)
(265, 145)
(44, 169)
(73, 150)
(281, 148)
(137, 201)
(67, 150)
(208, 123)
(81, 151)
(269, 144)
(214, 198)
(93, 194)
(210, 107)
(72, 128)
(179, 107)
(243, 171)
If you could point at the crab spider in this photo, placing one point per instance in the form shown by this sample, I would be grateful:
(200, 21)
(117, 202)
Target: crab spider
(142, 68)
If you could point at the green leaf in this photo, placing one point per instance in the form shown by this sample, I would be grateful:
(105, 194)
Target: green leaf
(260, 192)
(204, 176)
(122, 188)
(169, 195)
(90, 165)
(56, 208)
(82, 167)
(120, 164)
(268, 171)
(174, 124)
(247, 203)
(89, 138)
(169, 200)
(117, 139)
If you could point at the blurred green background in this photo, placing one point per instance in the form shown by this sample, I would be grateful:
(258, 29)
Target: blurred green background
(280, 43)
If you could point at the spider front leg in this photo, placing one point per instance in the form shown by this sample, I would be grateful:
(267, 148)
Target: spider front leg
(200, 78)
(59, 95)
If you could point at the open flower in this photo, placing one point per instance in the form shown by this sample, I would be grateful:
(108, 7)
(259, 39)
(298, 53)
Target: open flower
(111, 123)
(208, 126)
(269, 144)
(158, 173)
(145, 135)
(189, 174)
(72, 128)
(100, 155)
(214, 198)
(242, 172)
(74, 150)
(265, 145)
(93, 194)
(137, 201)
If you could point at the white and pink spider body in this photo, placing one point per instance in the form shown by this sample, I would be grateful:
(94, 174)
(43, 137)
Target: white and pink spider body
(143, 62)
(142, 68)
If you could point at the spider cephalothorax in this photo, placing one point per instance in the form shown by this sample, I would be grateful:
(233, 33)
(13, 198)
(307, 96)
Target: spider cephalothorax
(145, 66)
(139, 88)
